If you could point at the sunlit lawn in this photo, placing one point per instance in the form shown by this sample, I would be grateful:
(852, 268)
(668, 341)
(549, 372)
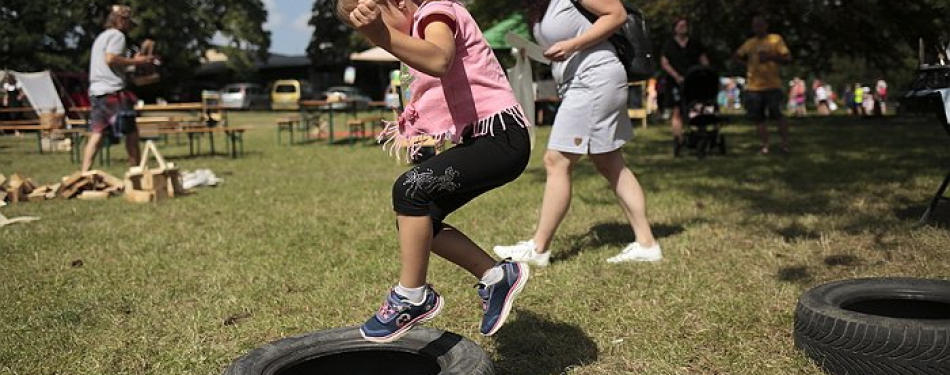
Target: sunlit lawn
(302, 238)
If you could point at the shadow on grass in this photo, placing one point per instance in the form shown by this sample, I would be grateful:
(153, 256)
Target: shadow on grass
(803, 275)
(611, 234)
(532, 344)
(842, 260)
(835, 164)
(797, 232)
(795, 274)
(940, 217)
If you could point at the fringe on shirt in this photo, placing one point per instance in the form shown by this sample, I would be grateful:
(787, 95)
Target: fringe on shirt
(396, 144)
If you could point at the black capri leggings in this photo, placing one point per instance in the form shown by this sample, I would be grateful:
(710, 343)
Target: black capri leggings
(449, 180)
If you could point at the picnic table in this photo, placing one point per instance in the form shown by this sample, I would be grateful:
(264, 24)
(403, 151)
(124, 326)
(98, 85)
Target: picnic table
(154, 121)
(315, 114)
(325, 117)
(28, 122)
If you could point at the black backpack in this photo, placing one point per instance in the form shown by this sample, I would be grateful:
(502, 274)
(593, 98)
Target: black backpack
(632, 42)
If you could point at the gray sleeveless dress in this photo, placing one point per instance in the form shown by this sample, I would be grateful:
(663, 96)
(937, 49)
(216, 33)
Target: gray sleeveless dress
(592, 117)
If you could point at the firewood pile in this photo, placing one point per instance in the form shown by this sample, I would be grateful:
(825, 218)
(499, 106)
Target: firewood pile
(92, 185)
(141, 183)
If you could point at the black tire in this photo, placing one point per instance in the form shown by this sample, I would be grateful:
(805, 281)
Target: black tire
(879, 326)
(421, 351)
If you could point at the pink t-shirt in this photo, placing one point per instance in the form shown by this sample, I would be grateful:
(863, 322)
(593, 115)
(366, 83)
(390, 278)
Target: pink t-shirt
(471, 93)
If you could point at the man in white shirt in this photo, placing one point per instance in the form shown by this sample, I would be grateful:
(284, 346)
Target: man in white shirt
(112, 113)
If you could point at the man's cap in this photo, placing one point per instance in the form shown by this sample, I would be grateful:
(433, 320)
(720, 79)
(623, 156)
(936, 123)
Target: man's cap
(124, 11)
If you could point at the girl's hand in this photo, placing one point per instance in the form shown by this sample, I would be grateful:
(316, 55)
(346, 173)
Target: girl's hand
(560, 51)
(366, 15)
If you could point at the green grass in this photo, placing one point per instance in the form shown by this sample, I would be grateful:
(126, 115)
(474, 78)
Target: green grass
(302, 238)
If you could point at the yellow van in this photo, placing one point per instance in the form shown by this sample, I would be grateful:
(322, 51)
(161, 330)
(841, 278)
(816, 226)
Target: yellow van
(287, 93)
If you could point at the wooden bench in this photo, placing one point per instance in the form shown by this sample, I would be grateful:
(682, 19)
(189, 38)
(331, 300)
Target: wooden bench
(640, 113)
(287, 124)
(302, 122)
(235, 138)
(30, 125)
(358, 126)
(25, 122)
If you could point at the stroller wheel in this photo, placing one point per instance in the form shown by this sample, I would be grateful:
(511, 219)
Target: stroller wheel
(722, 145)
(701, 145)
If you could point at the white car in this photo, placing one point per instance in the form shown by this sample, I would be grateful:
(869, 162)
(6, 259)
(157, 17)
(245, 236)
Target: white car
(244, 96)
(348, 93)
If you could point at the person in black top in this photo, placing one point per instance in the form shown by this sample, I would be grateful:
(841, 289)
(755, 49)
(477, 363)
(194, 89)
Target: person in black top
(678, 55)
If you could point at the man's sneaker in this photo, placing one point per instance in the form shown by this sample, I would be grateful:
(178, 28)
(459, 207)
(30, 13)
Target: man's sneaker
(634, 252)
(497, 298)
(397, 315)
(524, 251)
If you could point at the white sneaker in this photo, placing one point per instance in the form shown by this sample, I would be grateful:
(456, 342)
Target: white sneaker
(524, 251)
(636, 253)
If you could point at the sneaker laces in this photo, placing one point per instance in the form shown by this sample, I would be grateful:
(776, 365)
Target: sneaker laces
(387, 310)
(480, 288)
(392, 306)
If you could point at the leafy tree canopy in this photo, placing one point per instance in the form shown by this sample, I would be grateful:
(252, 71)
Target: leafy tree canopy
(332, 40)
(825, 36)
(57, 34)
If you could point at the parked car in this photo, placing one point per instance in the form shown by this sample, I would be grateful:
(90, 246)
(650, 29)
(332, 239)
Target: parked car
(244, 96)
(347, 93)
(287, 93)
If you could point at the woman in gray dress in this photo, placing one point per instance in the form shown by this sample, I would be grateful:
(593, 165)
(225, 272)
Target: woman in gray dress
(591, 120)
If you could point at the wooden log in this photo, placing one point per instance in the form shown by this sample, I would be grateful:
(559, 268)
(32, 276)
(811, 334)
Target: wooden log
(53, 189)
(159, 186)
(37, 195)
(175, 187)
(14, 195)
(73, 189)
(69, 181)
(29, 184)
(110, 179)
(139, 196)
(113, 190)
(16, 182)
(90, 195)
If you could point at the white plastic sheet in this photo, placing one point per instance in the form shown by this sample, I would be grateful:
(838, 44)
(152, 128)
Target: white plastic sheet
(522, 83)
(39, 88)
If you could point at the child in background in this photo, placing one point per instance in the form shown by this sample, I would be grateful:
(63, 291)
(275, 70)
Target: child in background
(458, 92)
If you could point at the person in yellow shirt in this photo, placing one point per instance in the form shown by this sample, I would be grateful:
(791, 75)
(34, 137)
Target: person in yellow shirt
(762, 54)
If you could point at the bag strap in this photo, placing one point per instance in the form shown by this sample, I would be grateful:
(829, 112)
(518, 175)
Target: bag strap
(587, 14)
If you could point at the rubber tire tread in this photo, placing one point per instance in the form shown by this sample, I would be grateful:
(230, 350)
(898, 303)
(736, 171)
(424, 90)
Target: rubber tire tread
(845, 342)
(454, 354)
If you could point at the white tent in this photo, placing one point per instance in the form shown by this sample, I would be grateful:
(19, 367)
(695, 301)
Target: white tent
(40, 90)
(374, 54)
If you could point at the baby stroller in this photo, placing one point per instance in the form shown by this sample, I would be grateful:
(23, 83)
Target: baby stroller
(700, 113)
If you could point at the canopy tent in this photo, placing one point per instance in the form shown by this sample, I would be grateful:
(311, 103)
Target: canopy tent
(40, 90)
(376, 54)
(515, 23)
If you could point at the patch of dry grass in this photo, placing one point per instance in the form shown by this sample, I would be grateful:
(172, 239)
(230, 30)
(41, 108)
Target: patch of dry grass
(302, 238)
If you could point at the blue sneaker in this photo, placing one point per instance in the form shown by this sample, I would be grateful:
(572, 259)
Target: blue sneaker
(397, 315)
(498, 297)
